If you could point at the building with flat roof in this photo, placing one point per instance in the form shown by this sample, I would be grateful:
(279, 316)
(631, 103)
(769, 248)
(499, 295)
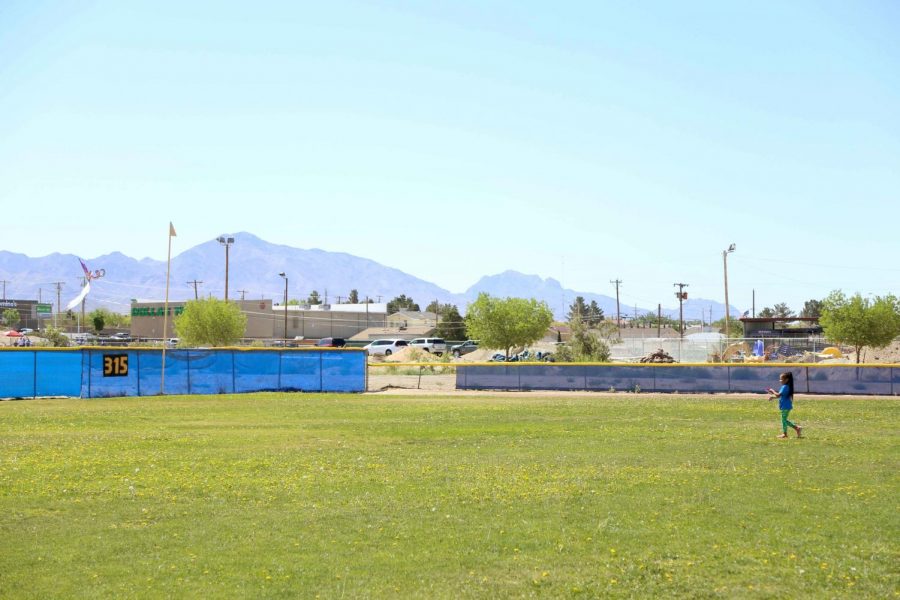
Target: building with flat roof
(32, 314)
(316, 321)
(266, 321)
(780, 327)
(147, 318)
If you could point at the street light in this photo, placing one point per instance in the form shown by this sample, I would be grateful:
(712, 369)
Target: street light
(227, 242)
(285, 304)
(725, 254)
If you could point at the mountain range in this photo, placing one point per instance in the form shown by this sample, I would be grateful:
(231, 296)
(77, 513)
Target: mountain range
(254, 267)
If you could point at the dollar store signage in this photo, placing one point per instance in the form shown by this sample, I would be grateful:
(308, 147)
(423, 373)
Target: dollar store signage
(156, 311)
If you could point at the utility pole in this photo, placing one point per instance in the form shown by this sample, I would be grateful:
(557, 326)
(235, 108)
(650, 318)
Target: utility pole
(618, 314)
(682, 296)
(754, 304)
(659, 320)
(195, 283)
(4, 288)
(725, 254)
(226, 241)
(243, 292)
(58, 285)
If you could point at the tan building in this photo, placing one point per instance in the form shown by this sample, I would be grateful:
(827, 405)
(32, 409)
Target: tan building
(317, 321)
(412, 318)
(147, 318)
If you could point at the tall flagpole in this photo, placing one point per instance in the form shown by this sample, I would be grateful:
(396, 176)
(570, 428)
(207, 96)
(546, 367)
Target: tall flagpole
(162, 379)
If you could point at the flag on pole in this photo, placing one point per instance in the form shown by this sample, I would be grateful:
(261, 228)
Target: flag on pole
(172, 230)
(77, 299)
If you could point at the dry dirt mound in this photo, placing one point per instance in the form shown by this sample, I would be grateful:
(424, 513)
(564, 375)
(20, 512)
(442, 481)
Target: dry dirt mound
(480, 355)
(888, 354)
(407, 355)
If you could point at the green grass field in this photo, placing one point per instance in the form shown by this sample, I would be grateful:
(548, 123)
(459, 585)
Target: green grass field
(290, 495)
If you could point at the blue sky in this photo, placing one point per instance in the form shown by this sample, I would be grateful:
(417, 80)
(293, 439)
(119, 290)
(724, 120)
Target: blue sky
(581, 141)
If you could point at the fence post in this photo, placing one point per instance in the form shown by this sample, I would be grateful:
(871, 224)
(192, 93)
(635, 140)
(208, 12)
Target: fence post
(137, 355)
(90, 356)
(233, 373)
(189, 384)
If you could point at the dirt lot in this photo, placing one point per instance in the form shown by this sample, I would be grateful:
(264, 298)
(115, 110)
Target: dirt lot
(890, 354)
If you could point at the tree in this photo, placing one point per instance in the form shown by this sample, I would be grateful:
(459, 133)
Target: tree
(735, 328)
(766, 313)
(586, 344)
(102, 318)
(451, 325)
(811, 308)
(578, 309)
(210, 322)
(859, 322)
(401, 302)
(55, 337)
(353, 298)
(509, 322)
(11, 317)
(595, 314)
(99, 320)
(782, 311)
(313, 298)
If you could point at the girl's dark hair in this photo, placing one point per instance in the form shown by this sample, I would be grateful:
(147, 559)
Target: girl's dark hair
(789, 381)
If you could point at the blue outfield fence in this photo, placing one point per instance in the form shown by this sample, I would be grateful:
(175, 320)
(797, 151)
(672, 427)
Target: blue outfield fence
(883, 380)
(105, 372)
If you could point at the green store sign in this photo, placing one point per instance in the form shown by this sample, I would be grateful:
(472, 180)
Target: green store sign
(156, 311)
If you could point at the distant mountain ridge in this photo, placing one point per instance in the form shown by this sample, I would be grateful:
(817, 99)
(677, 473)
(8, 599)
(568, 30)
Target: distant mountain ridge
(254, 267)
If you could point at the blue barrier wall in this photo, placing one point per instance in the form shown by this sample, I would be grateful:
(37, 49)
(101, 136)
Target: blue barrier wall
(105, 372)
(809, 379)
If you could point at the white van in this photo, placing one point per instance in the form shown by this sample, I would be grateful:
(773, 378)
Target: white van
(385, 347)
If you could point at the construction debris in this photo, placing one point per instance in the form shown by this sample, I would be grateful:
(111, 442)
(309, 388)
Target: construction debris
(660, 356)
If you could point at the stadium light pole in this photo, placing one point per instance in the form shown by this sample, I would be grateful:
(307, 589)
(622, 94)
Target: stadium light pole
(725, 254)
(285, 304)
(227, 242)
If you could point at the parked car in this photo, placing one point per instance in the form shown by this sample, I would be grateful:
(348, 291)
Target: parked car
(385, 347)
(331, 343)
(436, 346)
(26, 331)
(467, 346)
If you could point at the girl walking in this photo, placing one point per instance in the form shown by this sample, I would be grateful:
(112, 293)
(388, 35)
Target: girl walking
(785, 397)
